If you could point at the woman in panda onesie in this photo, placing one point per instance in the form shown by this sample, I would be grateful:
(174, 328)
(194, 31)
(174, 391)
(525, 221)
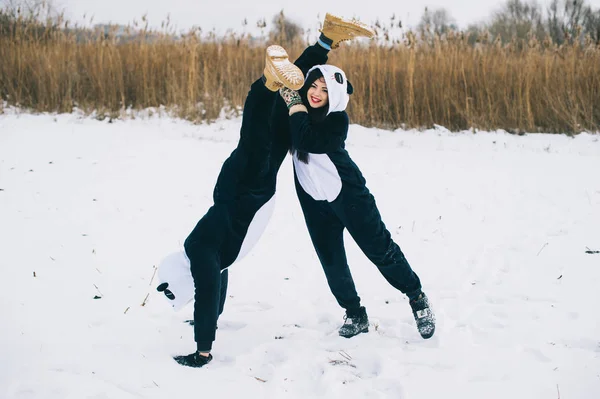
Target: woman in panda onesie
(334, 196)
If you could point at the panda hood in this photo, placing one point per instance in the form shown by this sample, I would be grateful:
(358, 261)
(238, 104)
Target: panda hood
(338, 87)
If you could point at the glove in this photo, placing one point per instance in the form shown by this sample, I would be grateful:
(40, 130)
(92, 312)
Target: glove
(193, 360)
(291, 97)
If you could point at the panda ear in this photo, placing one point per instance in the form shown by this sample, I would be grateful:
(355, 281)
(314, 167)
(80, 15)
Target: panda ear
(168, 293)
(162, 287)
(350, 88)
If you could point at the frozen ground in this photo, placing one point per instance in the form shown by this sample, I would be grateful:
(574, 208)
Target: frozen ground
(495, 225)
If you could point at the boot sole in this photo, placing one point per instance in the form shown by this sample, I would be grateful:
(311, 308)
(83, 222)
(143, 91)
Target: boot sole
(280, 68)
(366, 330)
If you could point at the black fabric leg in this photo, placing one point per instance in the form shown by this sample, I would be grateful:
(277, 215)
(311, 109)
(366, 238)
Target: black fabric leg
(203, 249)
(327, 235)
(249, 163)
(255, 133)
(361, 217)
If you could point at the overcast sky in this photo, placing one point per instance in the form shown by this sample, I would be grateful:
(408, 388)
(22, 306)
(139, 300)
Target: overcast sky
(229, 14)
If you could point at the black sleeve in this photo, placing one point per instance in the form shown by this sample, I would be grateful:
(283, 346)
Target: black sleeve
(321, 138)
(313, 55)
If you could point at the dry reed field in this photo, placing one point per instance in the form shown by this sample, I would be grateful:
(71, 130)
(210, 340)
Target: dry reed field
(527, 86)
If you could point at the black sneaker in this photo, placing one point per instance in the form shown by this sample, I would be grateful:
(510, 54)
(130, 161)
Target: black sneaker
(423, 316)
(355, 323)
(193, 360)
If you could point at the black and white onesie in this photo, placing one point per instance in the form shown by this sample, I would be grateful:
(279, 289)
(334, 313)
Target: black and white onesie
(333, 196)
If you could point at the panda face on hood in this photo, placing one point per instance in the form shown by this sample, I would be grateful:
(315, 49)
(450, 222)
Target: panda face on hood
(337, 86)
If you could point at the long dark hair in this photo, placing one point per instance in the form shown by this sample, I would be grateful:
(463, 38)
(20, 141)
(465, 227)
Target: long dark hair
(316, 114)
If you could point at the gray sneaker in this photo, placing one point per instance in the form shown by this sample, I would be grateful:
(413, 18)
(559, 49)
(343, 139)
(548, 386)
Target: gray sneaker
(355, 323)
(423, 316)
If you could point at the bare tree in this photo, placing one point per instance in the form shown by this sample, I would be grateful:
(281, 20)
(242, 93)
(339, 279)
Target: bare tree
(284, 31)
(517, 19)
(477, 33)
(566, 18)
(38, 15)
(436, 23)
(592, 25)
(41, 10)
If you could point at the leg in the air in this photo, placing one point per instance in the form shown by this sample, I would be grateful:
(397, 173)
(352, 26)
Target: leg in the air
(336, 30)
(280, 72)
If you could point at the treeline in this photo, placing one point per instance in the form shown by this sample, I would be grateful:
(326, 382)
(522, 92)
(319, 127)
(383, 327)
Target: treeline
(559, 21)
(458, 79)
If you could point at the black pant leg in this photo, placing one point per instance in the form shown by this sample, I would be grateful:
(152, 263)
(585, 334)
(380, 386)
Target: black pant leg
(255, 133)
(327, 235)
(358, 211)
(203, 248)
(249, 163)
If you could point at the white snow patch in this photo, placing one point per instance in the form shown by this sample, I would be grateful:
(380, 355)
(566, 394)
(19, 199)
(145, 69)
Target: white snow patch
(496, 225)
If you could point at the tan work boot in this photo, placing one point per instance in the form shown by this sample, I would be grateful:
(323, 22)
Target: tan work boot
(279, 71)
(340, 29)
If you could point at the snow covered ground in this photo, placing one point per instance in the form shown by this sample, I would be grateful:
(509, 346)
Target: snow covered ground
(495, 225)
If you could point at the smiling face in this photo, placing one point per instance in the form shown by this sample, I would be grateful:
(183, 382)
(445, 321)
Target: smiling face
(317, 94)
